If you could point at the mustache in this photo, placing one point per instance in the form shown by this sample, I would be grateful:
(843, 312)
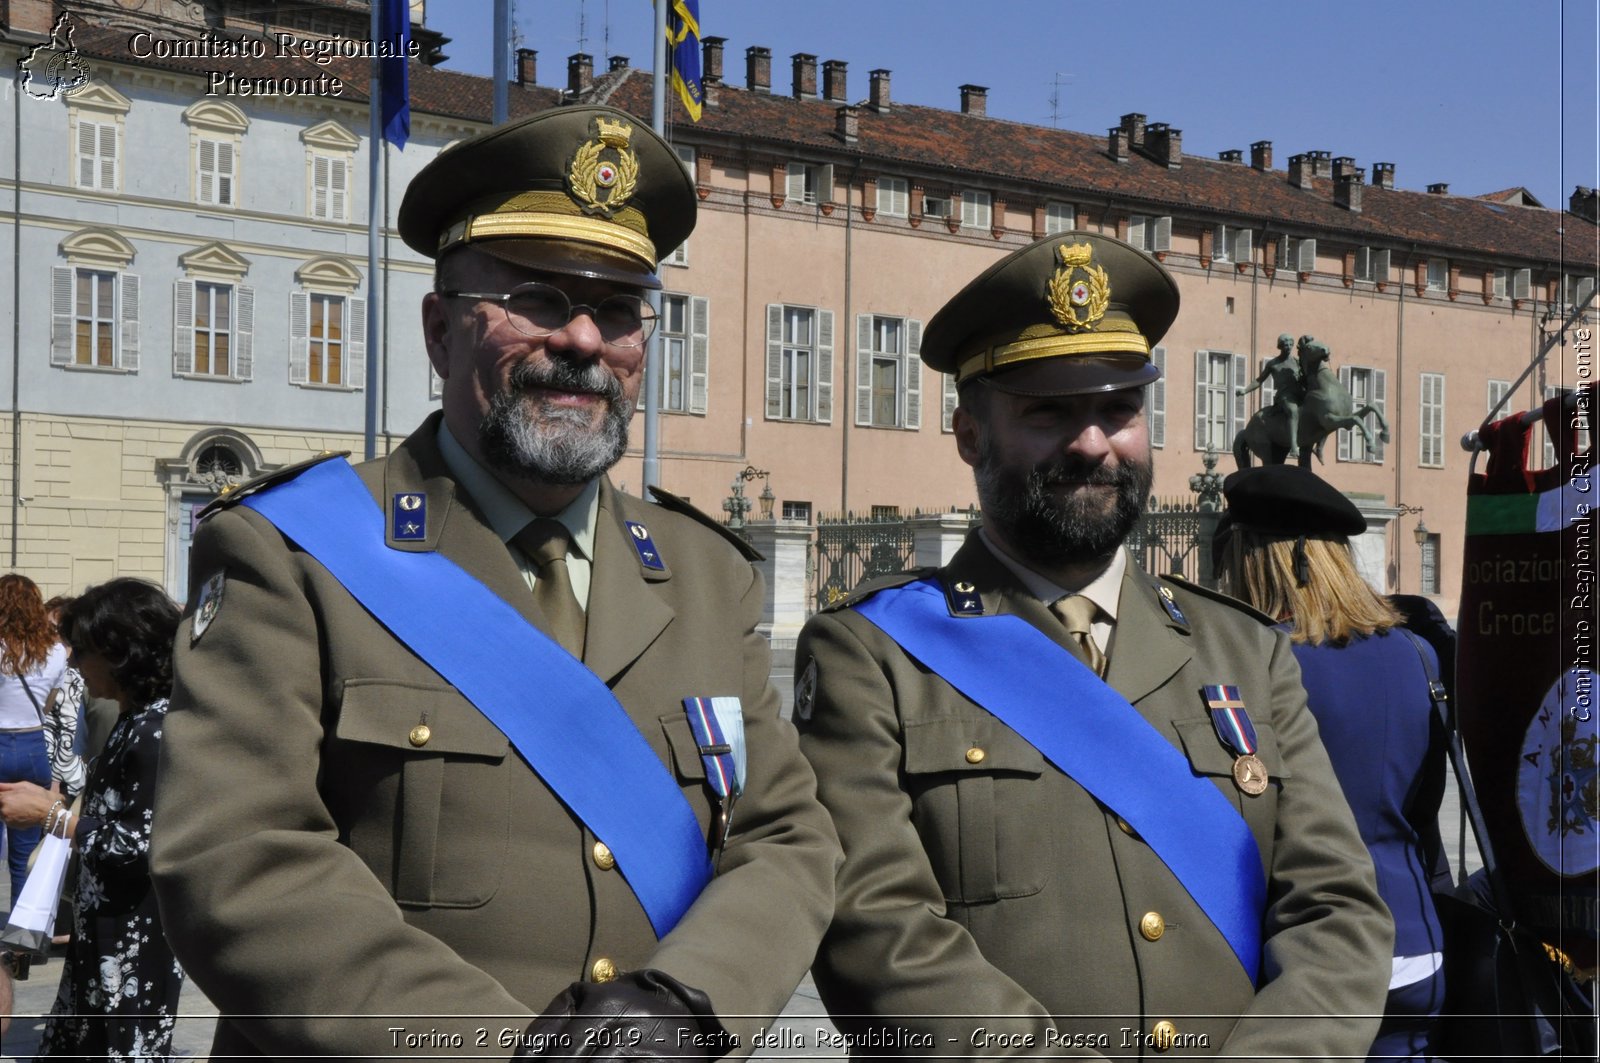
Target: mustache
(592, 379)
(1057, 473)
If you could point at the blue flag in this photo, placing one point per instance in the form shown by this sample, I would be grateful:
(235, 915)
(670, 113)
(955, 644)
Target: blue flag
(683, 42)
(394, 35)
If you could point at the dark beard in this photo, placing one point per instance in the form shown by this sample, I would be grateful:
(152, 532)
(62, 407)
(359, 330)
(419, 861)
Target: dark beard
(1050, 531)
(552, 445)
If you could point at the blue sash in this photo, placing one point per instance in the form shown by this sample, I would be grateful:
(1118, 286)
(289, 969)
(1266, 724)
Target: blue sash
(1014, 671)
(560, 716)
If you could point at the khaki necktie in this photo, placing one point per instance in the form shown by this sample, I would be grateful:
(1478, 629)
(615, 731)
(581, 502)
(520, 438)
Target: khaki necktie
(1077, 614)
(545, 541)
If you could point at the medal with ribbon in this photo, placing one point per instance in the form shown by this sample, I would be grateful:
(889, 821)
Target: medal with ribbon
(718, 727)
(1232, 721)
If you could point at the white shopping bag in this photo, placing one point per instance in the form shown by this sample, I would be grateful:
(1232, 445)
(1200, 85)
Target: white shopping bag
(33, 916)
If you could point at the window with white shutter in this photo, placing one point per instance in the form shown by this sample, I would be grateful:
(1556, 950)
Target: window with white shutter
(1059, 218)
(213, 329)
(1430, 437)
(97, 155)
(799, 363)
(685, 337)
(888, 371)
(894, 197)
(1498, 390)
(330, 182)
(951, 399)
(214, 177)
(1219, 413)
(1149, 232)
(1367, 387)
(977, 210)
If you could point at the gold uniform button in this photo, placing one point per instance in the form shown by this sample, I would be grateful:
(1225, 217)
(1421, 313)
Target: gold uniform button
(975, 755)
(603, 971)
(1127, 828)
(1163, 1035)
(1152, 926)
(420, 734)
(603, 858)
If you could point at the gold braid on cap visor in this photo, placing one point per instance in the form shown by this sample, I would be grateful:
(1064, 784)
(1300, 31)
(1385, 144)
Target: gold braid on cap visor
(1110, 337)
(554, 217)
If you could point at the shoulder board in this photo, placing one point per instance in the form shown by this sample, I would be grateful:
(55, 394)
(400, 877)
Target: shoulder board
(1216, 596)
(867, 588)
(232, 495)
(668, 500)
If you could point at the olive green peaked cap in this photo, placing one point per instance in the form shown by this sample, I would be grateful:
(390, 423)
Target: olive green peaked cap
(586, 190)
(1081, 308)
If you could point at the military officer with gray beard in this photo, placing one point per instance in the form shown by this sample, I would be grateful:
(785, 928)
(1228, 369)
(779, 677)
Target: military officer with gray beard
(469, 752)
(1084, 810)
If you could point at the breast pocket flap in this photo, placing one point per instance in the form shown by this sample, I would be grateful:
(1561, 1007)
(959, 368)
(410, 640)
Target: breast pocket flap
(1210, 757)
(417, 718)
(963, 744)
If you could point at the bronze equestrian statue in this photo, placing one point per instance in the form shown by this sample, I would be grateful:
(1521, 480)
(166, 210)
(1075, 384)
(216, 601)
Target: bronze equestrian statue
(1317, 406)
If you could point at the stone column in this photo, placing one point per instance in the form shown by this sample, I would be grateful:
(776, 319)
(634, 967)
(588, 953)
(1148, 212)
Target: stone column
(937, 536)
(783, 544)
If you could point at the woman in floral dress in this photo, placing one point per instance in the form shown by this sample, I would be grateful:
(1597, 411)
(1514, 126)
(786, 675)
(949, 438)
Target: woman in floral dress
(120, 984)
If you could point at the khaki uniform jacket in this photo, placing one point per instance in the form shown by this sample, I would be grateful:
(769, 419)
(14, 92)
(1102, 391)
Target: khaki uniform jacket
(996, 886)
(311, 861)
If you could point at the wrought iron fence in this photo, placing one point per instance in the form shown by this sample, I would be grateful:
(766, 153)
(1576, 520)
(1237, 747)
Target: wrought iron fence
(850, 548)
(1167, 539)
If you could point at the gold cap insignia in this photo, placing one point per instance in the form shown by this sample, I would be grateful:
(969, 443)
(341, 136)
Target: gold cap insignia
(606, 165)
(1078, 284)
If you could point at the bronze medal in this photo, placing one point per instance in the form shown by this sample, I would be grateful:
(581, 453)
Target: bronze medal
(1249, 774)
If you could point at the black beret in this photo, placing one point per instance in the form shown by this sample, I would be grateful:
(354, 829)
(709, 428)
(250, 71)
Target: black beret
(589, 190)
(1072, 313)
(1289, 501)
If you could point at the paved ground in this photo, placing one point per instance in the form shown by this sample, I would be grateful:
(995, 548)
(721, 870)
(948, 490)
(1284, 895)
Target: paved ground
(795, 1035)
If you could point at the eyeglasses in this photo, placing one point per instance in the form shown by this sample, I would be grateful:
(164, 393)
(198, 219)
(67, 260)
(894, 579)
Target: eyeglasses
(536, 309)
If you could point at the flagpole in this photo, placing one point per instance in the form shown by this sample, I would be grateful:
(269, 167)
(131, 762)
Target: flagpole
(502, 61)
(374, 290)
(652, 368)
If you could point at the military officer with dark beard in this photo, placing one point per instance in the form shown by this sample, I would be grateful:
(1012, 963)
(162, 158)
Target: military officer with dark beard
(1084, 810)
(469, 753)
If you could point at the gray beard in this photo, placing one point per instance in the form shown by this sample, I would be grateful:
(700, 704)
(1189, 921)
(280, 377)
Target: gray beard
(1047, 531)
(554, 445)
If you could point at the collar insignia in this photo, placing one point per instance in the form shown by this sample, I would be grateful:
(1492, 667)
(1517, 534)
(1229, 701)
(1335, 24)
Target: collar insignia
(640, 537)
(1078, 284)
(409, 517)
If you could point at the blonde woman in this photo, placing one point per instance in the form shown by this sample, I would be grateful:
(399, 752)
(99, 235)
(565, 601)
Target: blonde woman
(1284, 547)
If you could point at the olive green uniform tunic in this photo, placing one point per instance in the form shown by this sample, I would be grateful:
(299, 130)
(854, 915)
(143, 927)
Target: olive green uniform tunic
(315, 861)
(981, 881)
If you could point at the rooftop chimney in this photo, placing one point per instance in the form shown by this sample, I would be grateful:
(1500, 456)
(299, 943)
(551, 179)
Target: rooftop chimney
(1383, 174)
(833, 81)
(527, 66)
(1231, 155)
(974, 100)
(1342, 165)
(616, 63)
(1301, 168)
(847, 123)
(1133, 124)
(580, 72)
(1439, 189)
(1117, 147)
(758, 68)
(1582, 203)
(1164, 144)
(711, 60)
(1321, 163)
(1347, 190)
(1261, 155)
(880, 91)
(805, 75)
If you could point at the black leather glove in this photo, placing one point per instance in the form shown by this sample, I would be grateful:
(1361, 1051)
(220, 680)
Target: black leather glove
(640, 1015)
